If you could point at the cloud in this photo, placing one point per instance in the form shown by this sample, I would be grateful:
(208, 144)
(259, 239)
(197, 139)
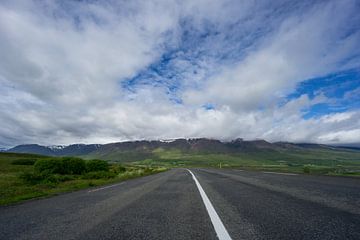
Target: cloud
(304, 46)
(102, 71)
(59, 60)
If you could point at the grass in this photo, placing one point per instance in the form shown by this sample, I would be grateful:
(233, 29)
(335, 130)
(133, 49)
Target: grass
(311, 161)
(13, 188)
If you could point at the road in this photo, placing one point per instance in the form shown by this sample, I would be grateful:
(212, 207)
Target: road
(250, 205)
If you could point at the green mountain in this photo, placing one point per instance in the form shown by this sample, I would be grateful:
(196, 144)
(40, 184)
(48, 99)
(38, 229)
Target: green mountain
(213, 153)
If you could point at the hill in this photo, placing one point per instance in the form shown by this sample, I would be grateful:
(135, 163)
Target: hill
(257, 154)
(137, 150)
(144, 148)
(71, 150)
(199, 150)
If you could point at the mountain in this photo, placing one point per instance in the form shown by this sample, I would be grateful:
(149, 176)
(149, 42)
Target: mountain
(71, 150)
(140, 150)
(32, 148)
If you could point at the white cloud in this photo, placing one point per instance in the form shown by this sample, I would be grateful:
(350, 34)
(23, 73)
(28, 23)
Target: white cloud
(337, 117)
(56, 61)
(346, 136)
(304, 46)
(62, 66)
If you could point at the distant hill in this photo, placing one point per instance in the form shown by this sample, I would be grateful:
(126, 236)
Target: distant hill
(140, 150)
(71, 150)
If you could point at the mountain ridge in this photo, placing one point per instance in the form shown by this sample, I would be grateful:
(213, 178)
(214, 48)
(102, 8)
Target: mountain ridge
(143, 148)
(55, 150)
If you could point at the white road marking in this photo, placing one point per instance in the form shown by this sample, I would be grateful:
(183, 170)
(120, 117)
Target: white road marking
(289, 174)
(98, 189)
(220, 229)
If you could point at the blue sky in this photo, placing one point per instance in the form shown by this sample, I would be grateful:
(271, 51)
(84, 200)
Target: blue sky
(105, 71)
(341, 89)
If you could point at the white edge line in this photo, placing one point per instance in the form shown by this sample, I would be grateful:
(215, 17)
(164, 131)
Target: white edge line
(289, 174)
(98, 189)
(220, 229)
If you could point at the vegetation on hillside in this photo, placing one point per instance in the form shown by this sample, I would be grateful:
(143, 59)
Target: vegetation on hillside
(26, 176)
(311, 161)
(258, 154)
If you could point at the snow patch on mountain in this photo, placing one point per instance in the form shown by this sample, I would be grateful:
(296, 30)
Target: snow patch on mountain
(56, 147)
(167, 140)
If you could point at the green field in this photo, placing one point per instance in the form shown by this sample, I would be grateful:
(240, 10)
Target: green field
(19, 180)
(312, 161)
(21, 177)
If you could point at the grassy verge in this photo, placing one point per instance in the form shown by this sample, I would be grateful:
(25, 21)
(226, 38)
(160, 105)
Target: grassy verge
(22, 177)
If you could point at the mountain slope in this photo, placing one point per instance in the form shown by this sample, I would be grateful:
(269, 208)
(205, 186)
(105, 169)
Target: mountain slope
(140, 150)
(71, 150)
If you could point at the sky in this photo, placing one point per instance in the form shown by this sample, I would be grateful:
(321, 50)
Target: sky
(111, 70)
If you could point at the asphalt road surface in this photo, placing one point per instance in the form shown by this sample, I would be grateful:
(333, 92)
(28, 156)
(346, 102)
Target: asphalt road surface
(169, 205)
